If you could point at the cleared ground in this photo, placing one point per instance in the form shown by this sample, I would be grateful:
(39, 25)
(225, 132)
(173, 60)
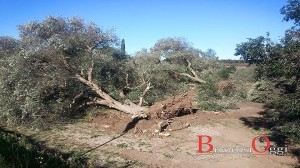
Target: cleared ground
(102, 141)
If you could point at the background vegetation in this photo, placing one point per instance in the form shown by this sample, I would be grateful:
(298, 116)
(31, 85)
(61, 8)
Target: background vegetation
(277, 74)
(59, 67)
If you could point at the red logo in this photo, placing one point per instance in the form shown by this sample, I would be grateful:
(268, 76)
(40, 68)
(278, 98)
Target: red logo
(205, 146)
(200, 139)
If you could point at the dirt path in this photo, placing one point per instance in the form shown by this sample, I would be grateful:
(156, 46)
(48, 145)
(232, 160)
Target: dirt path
(141, 147)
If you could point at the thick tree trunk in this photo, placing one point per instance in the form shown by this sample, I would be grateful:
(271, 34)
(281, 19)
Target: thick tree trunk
(129, 109)
(106, 99)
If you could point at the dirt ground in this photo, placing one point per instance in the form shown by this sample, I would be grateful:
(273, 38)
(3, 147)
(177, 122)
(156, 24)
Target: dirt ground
(180, 149)
(173, 142)
(112, 140)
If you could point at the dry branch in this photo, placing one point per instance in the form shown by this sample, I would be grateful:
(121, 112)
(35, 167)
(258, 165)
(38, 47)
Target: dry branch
(90, 72)
(144, 93)
(195, 76)
(75, 98)
(191, 69)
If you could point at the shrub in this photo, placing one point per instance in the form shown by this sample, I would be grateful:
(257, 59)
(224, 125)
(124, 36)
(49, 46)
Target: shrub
(226, 71)
(212, 106)
(263, 92)
(221, 96)
(17, 150)
(211, 97)
(287, 118)
(217, 105)
(209, 90)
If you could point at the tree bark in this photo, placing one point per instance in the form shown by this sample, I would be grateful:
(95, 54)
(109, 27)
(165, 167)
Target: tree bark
(144, 93)
(106, 99)
(195, 76)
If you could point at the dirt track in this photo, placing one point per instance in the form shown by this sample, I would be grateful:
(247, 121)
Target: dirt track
(140, 147)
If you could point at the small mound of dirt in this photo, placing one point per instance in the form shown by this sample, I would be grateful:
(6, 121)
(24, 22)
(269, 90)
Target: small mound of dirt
(175, 106)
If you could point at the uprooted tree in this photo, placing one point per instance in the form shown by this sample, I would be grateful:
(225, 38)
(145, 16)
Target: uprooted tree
(75, 47)
(59, 66)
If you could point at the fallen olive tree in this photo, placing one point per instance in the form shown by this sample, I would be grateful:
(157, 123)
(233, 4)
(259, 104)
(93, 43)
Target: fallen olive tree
(60, 66)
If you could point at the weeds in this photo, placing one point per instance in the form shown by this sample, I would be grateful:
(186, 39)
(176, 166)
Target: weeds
(122, 145)
(244, 75)
(222, 95)
(18, 150)
(226, 71)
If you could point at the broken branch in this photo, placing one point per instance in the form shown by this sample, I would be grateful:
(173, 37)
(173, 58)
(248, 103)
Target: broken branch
(144, 93)
(194, 77)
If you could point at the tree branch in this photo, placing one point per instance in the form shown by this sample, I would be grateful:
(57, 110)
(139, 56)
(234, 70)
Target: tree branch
(75, 98)
(191, 69)
(90, 72)
(144, 93)
(107, 100)
(194, 77)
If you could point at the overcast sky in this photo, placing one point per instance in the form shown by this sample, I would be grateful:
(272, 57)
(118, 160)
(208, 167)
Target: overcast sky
(216, 24)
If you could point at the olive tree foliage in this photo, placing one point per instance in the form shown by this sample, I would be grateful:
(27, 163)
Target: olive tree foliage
(169, 66)
(291, 11)
(175, 50)
(254, 51)
(179, 55)
(61, 66)
(286, 68)
(289, 103)
(9, 46)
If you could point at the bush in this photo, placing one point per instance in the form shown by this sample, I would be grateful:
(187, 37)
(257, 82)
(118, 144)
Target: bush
(212, 99)
(217, 105)
(209, 90)
(263, 92)
(226, 71)
(212, 106)
(287, 119)
(2, 162)
(17, 150)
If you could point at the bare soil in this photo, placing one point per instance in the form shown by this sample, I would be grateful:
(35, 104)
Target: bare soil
(112, 140)
(176, 145)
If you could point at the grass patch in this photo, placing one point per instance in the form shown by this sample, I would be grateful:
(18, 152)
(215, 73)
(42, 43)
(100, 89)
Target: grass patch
(244, 75)
(122, 145)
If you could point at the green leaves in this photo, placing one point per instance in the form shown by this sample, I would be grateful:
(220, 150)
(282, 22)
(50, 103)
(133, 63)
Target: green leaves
(253, 51)
(291, 11)
(280, 65)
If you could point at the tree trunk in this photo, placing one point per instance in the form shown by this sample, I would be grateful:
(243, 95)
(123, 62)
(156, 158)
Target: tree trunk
(129, 109)
(107, 100)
